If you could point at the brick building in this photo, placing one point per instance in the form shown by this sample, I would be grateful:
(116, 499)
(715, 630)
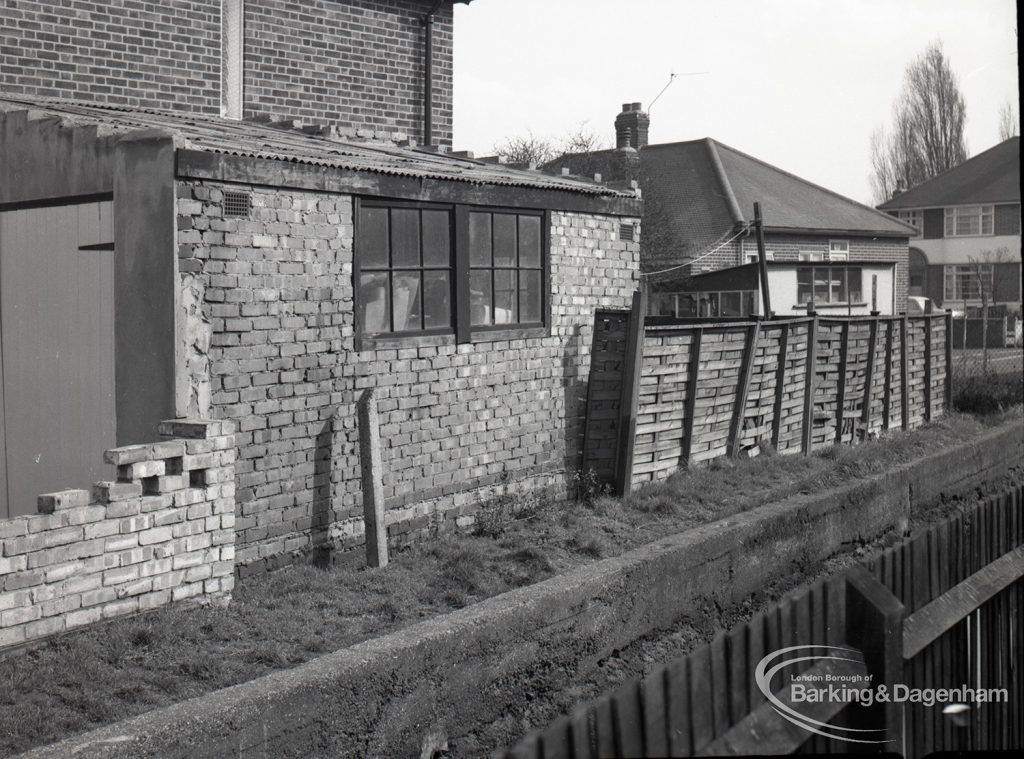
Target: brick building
(698, 214)
(270, 273)
(357, 64)
(967, 231)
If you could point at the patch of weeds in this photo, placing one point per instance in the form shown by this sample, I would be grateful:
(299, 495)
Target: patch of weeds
(589, 543)
(587, 486)
(268, 654)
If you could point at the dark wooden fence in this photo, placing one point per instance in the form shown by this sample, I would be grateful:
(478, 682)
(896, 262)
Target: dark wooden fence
(943, 609)
(661, 396)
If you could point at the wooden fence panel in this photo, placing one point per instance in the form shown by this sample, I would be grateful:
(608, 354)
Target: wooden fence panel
(604, 390)
(712, 389)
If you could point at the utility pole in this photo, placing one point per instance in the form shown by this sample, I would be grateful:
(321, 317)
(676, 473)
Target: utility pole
(762, 261)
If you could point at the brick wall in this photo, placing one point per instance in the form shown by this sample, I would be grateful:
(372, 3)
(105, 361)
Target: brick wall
(275, 294)
(162, 532)
(133, 52)
(358, 64)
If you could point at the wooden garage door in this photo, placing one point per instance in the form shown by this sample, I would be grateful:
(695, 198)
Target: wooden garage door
(56, 350)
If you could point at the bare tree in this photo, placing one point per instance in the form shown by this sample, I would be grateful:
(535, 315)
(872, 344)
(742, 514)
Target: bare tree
(528, 150)
(927, 134)
(1009, 123)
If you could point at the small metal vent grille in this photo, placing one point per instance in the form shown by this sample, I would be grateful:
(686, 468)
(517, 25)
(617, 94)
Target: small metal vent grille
(237, 204)
(627, 232)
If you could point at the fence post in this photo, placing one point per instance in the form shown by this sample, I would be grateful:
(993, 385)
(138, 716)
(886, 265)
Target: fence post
(691, 393)
(874, 624)
(746, 370)
(869, 377)
(949, 360)
(373, 484)
(780, 382)
(630, 398)
(928, 322)
(904, 373)
(810, 381)
(887, 397)
(844, 349)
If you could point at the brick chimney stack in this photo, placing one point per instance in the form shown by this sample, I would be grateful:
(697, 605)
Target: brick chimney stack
(631, 127)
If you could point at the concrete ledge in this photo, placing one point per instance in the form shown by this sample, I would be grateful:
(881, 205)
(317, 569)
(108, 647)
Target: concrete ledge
(380, 698)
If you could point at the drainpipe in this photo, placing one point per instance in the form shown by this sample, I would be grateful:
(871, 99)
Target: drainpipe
(428, 74)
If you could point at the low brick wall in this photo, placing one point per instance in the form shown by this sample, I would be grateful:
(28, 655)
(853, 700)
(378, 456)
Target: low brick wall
(162, 532)
(380, 698)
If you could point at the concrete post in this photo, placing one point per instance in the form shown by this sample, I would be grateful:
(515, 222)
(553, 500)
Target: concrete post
(373, 486)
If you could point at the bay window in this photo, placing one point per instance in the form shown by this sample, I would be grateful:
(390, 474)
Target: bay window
(965, 282)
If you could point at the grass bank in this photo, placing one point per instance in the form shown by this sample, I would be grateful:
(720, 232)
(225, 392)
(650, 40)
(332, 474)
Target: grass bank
(93, 677)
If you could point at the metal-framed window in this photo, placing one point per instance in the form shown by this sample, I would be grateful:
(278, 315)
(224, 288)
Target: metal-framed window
(964, 282)
(969, 221)
(829, 284)
(425, 269)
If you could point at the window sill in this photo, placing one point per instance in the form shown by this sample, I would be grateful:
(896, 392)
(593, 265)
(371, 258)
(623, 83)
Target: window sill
(385, 342)
(825, 306)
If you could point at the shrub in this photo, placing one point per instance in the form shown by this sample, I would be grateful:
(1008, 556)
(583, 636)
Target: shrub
(988, 393)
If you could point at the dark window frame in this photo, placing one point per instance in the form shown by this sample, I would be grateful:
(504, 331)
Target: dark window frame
(461, 330)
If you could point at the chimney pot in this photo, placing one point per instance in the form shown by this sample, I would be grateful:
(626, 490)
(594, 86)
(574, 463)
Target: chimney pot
(631, 127)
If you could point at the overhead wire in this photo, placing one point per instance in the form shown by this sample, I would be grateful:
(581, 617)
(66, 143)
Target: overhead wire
(704, 254)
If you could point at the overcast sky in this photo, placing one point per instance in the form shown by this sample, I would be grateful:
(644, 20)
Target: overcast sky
(797, 83)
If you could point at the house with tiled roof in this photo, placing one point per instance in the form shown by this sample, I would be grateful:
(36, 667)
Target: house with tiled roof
(699, 195)
(261, 229)
(967, 223)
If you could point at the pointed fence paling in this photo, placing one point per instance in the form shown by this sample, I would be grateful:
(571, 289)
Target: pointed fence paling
(943, 609)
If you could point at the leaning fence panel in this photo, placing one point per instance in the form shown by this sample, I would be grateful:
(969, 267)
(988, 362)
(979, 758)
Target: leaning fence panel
(711, 389)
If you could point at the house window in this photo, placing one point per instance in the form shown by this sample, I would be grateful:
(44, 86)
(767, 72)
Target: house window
(812, 255)
(412, 278)
(751, 257)
(838, 250)
(914, 218)
(828, 285)
(965, 221)
(232, 52)
(965, 282)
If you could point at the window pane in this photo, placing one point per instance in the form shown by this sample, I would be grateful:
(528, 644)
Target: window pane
(406, 300)
(838, 277)
(854, 286)
(821, 284)
(504, 239)
(732, 304)
(529, 241)
(480, 239)
(530, 299)
(505, 297)
(373, 238)
(804, 276)
(405, 237)
(437, 244)
(374, 304)
(480, 297)
(437, 292)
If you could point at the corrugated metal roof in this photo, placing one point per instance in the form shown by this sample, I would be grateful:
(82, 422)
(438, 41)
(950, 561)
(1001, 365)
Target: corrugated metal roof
(250, 139)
